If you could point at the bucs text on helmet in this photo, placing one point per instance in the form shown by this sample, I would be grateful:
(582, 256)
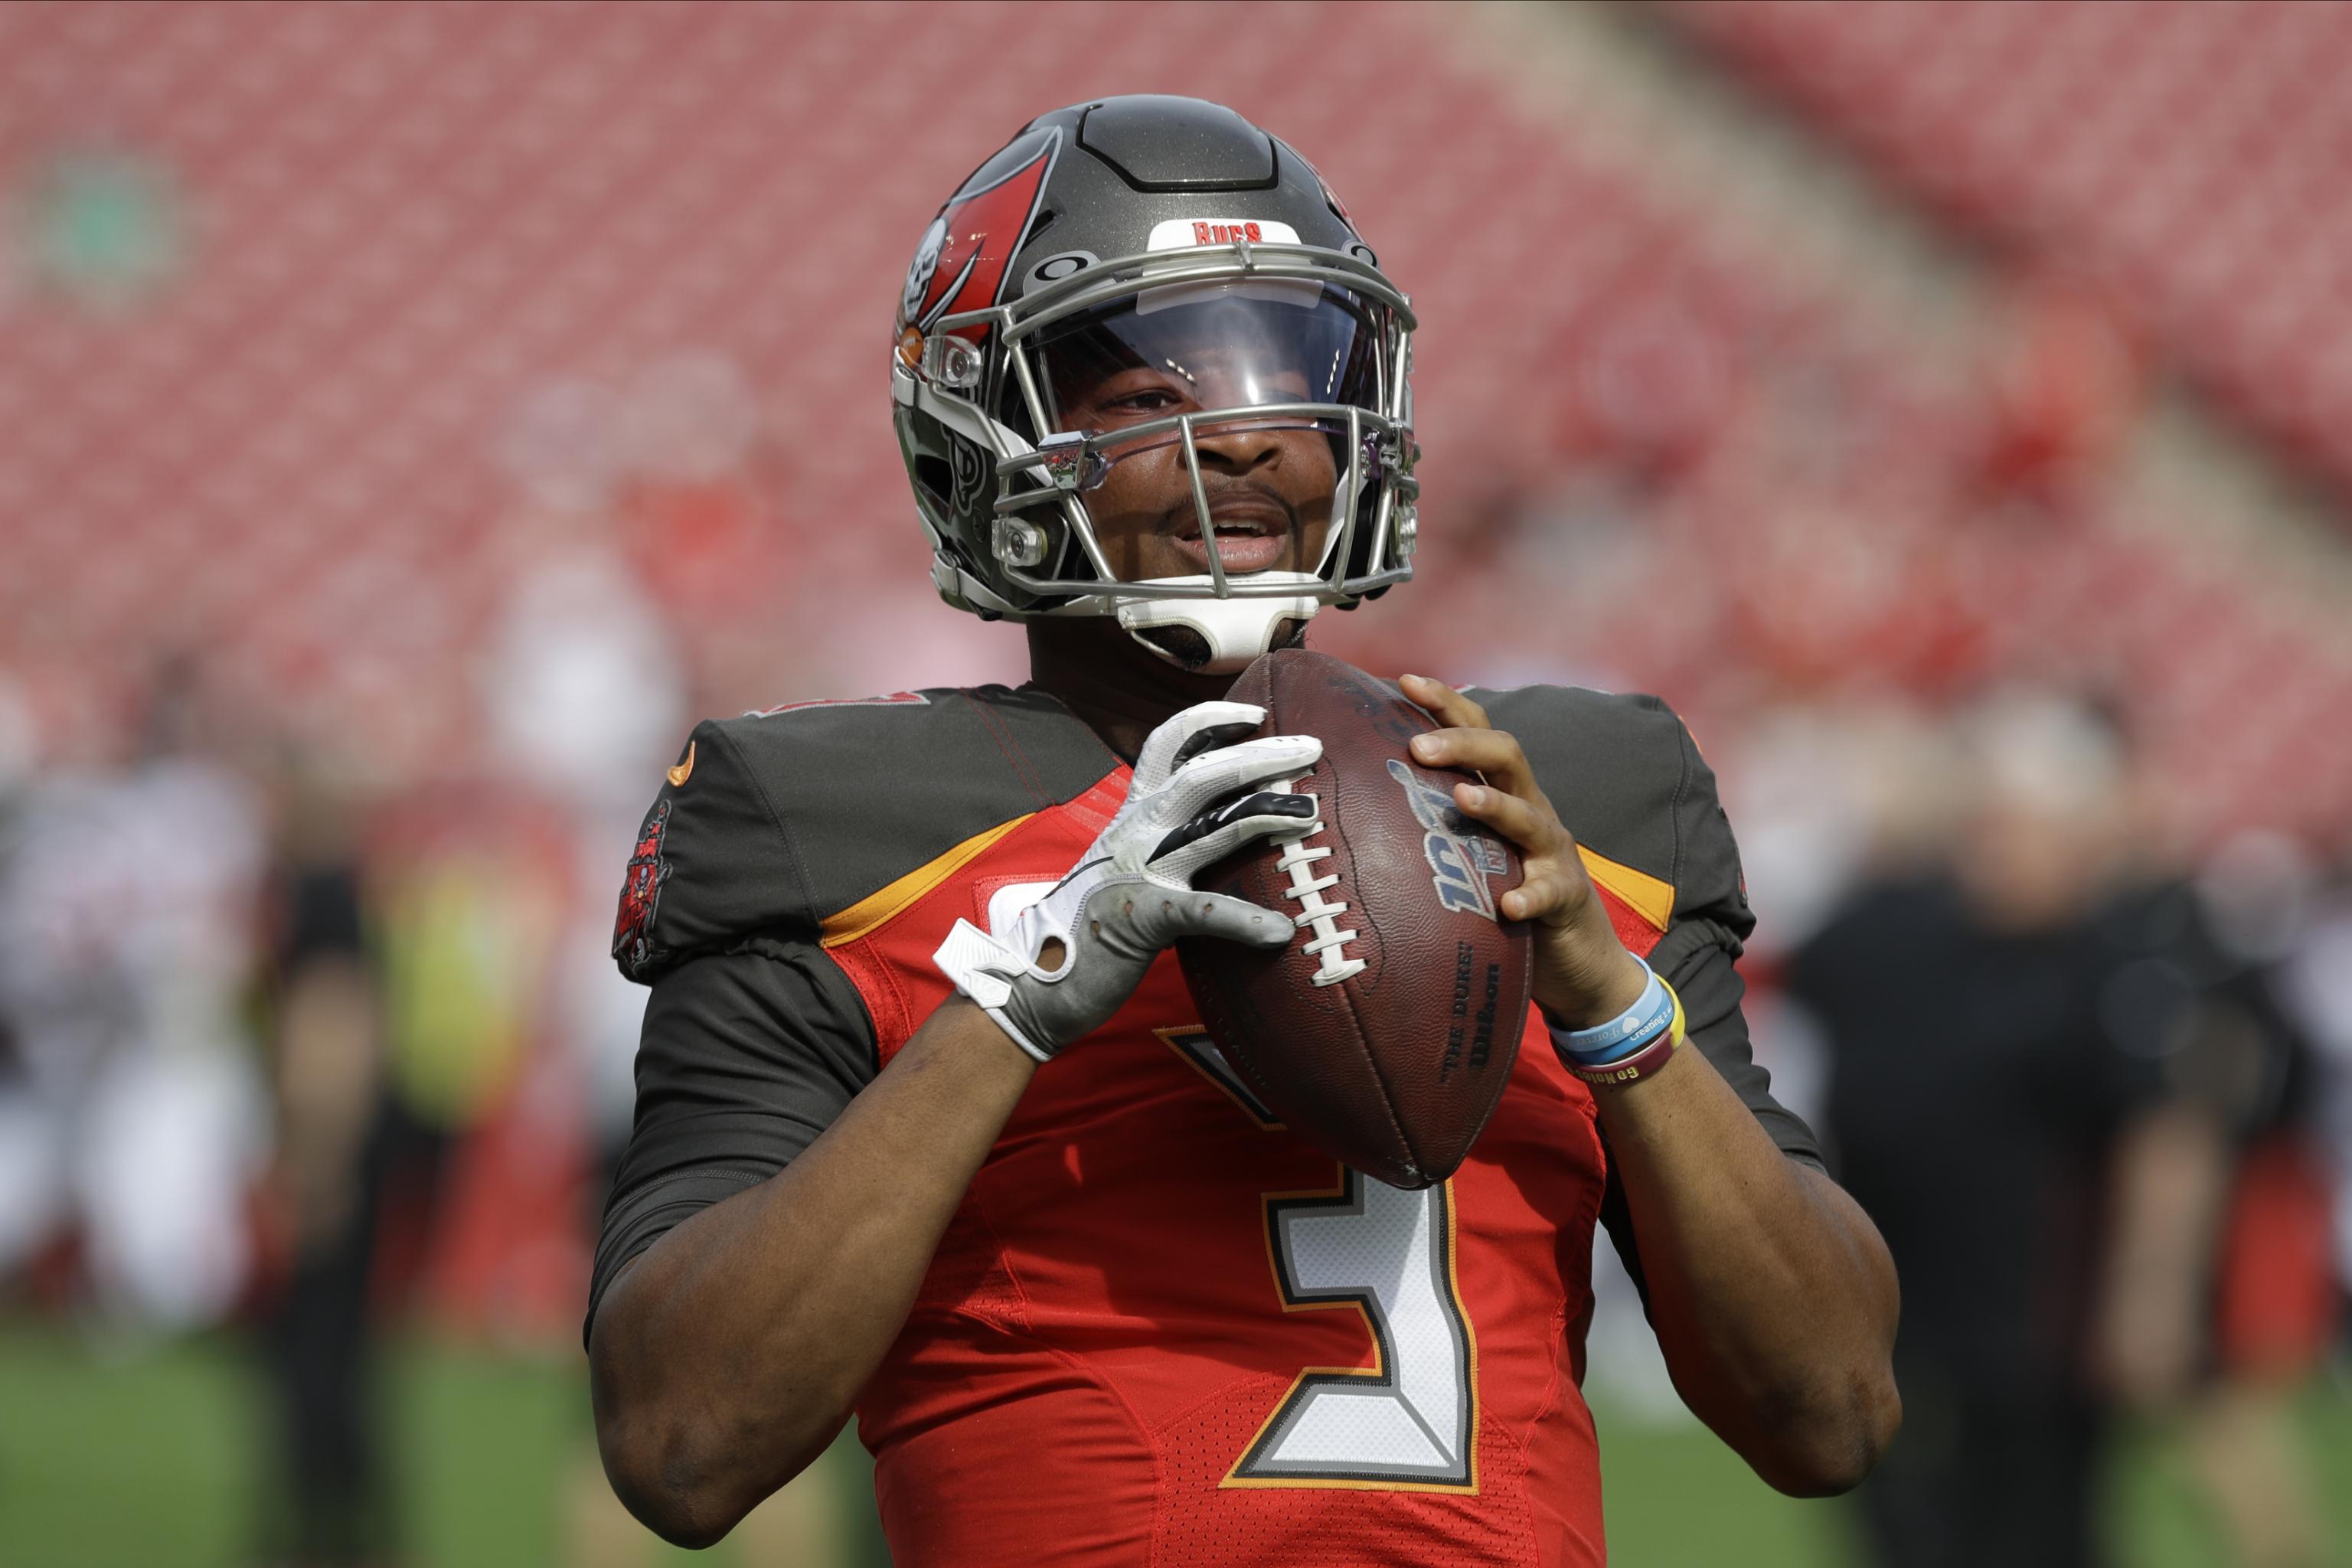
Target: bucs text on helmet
(1130, 231)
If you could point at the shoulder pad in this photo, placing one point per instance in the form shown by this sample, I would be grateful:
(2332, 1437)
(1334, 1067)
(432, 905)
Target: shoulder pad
(1628, 781)
(778, 823)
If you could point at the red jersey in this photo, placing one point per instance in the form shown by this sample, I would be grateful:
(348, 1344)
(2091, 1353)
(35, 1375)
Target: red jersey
(1161, 1328)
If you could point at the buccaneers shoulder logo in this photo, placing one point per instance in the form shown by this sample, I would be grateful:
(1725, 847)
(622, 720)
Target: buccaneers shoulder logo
(633, 931)
(961, 261)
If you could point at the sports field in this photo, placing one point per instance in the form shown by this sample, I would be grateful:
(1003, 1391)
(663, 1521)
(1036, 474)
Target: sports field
(152, 1459)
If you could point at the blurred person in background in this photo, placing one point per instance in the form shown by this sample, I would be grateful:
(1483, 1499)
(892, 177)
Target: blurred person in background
(2275, 1306)
(127, 905)
(2039, 1074)
(322, 994)
(408, 942)
(25, 1158)
(2317, 983)
(583, 680)
(1977, 1099)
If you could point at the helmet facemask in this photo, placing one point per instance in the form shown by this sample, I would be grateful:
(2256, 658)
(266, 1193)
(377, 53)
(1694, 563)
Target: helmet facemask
(1233, 342)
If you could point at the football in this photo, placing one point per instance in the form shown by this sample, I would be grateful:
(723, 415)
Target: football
(1385, 1031)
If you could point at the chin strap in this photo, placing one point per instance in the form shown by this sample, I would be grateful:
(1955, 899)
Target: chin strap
(1236, 631)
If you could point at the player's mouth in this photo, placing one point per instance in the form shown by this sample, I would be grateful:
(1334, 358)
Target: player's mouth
(1252, 529)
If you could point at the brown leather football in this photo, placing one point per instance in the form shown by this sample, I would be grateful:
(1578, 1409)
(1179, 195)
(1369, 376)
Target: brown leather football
(1387, 1028)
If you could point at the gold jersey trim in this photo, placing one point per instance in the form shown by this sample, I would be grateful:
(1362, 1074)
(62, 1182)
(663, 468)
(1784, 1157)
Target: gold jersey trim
(885, 904)
(1645, 895)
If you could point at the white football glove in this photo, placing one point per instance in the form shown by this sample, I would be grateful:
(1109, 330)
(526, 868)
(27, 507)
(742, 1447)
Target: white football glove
(1191, 803)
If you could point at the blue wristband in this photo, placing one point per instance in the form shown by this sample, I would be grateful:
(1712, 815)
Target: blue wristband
(1651, 1016)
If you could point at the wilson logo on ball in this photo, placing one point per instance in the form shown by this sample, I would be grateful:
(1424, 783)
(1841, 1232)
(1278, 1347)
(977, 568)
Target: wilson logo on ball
(1460, 861)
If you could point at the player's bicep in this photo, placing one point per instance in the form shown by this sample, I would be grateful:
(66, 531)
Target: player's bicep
(746, 1057)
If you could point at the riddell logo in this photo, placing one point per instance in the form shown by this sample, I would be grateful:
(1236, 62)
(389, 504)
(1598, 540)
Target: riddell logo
(1226, 233)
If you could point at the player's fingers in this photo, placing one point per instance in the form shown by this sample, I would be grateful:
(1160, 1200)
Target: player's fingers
(1212, 775)
(1550, 889)
(1450, 706)
(1211, 737)
(1531, 826)
(1236, 920)
(1188, 733)
(1544, 893)
(1219, 831)
(1492, 753)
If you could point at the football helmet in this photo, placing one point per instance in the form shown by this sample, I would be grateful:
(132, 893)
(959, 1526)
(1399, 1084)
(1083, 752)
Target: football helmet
(1171, 235)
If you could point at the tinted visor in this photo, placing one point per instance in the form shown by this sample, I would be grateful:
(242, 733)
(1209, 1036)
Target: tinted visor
(1190, 347)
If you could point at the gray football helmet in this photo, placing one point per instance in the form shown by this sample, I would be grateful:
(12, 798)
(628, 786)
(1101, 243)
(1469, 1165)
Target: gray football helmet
(1127, 232)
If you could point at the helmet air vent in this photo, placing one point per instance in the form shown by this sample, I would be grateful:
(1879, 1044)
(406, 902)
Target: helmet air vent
(1160, 143)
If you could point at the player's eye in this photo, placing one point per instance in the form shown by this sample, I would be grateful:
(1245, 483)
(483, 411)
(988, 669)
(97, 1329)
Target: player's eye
(1134, 398)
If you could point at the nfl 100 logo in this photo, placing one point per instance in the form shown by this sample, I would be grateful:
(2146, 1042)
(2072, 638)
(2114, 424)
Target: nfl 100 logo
(1461, 858)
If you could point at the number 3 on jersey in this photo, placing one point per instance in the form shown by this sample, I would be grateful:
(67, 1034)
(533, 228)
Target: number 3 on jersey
(1410, 1422)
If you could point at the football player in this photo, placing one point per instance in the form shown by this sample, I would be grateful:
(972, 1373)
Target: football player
(927, 1126)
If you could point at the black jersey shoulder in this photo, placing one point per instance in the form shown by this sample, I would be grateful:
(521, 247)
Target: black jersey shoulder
(773, 822)
(1630, 784)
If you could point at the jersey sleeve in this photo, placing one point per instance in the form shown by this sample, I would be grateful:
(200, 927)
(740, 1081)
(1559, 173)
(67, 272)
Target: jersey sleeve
(1630, 783)
(746, 1057)
(713, 862)
(786, 823)
(779, 839)
(1710, 904)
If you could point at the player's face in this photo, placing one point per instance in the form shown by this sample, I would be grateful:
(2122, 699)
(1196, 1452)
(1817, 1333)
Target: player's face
(1269, 481)
(1269, 490)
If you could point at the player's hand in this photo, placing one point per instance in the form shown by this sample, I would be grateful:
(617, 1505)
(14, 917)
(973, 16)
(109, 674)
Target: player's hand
(1583, 973)
(1069, 961)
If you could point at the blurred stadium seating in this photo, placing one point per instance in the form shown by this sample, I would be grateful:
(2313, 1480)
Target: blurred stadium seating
(321, 318)
(2186, 153)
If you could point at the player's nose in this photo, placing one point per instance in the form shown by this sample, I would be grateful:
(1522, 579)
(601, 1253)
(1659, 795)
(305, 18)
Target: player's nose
(1239, 449)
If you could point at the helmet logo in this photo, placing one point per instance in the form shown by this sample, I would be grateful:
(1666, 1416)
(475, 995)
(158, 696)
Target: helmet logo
(1331, 198)
(1176, 233)
(919, 274)
(961, 263)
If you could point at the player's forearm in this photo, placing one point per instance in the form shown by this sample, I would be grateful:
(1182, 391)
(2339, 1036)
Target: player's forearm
(728, 1356)
(1772, 1295)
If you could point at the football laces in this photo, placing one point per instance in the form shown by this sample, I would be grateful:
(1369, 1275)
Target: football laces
(1329, 947)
